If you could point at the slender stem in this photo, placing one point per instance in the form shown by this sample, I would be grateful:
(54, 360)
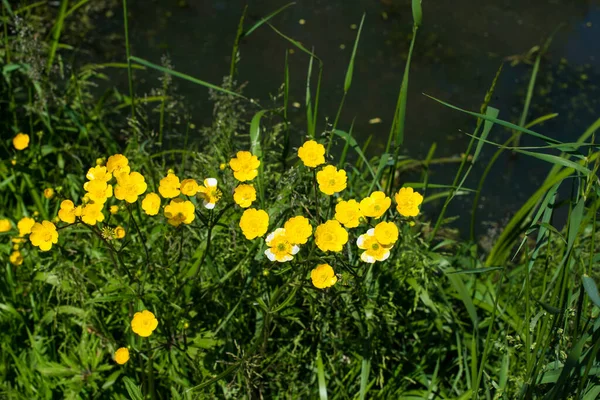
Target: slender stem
(128, 52)
(143, 239)
(316, 195)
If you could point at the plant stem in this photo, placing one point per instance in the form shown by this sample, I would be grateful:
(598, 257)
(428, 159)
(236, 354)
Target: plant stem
(128, 53)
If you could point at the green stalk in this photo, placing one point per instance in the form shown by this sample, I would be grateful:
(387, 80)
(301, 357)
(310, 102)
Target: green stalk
(56, 34)
(128, 53)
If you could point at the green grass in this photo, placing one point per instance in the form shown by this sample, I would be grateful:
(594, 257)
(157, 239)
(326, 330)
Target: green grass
(440, 319)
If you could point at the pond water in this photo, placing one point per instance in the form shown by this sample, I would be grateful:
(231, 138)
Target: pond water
(458, 50)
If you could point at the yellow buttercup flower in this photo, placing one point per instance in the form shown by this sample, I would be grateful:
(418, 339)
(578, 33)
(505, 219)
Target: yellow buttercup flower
(114, 209)
(330, 236)
(386, 233)
(119, 232)
(16, 258)
(44, 235)
(48, 193)
(298, 229)
(169, 186)
(151, 204)
(130, 186)
(92, 213)
(408, 202)
(323, 276)
(375, 205)
(348, 213)
(5, 225)
(280, 249)
(373, 250)
(143, 323)
(122, 355)
(244, 166)
(254, 223)
(189, 187)
(331, 180)
(25, 224)
(117, 164)
(210, 193)
(21, 141)
(98, 191)
(244, 195)
(180, 211)
(222, 166)
(312, 154)
(99, 173)
(67, 212)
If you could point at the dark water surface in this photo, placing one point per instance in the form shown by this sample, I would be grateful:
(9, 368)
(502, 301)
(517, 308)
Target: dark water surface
(458, 50)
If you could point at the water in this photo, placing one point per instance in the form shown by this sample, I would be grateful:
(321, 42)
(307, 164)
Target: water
(459, 48)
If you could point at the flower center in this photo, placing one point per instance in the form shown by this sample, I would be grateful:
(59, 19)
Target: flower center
(47, 237)
(375, 246)
(332, 182)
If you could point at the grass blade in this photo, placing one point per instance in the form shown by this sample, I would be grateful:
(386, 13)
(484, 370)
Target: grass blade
(267, 18)
(321, 377)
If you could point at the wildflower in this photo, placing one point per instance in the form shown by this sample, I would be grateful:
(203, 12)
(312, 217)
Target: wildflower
(189, 187)
(130, 186)
(244, 195)
(222, 166)
(210, 193)
(108, 233)
(5, 225)
(180, 211)
(48, 193)
(348, 213)
(312, 154)
(386, 233)
(25, 224)
(280, 249)
(117, 164)
(114, 209)
(331, 180)
(100, 161)
(330, 236)
(99, 173)
(98, 191)
(298, 229)
(408, 202)
(67, 212)
(254, 223)
(169, 186)
(92, 213)
(21, 141)
(143, 323)
(16, 258)
(373, 250)
(375, 205)
(151, 203)
(323, 276)
(121, 355)
(244, 166)
(119, 232)
(44, 235)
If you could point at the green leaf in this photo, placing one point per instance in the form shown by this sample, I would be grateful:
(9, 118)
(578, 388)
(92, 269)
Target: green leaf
(591, 289)
(352, 142)
(135, 393)
(487, 126)
(350, 71)
(267, 18)
(321, 377)
(364, 377)
(556, 160)
(417, 12)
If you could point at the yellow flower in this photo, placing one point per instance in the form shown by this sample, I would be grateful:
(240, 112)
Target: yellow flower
(5, 225)
(408, 202)
(330, 236)
(114, 209)
(92, 213)
(21, 141)
(25, 224)
(348, 213)
(386, 233)
(117, 164)
(209, 193)
(122, 355)
(323, 276)
(98, 191)
(99, 173)
(169, 186)
(373, 250)
(189, 187)
(100, 161)
(222, 166)
(298, 230)
(312, 154)
(44, 235)
(67, 212)
(151, 203)
(244, 166)
(180, 211)
(280, 249)
(143, 323)
(119, 232)
(16, 258)
(130, 186)
(244, 195)
(48, 193)
(375, 205)
(254, 223)
(331, 180)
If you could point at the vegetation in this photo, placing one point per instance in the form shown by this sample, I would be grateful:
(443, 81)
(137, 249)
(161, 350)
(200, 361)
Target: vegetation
(110, 292)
